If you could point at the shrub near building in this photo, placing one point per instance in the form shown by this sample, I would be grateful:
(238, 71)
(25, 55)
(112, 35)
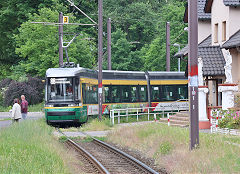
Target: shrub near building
(32, 89)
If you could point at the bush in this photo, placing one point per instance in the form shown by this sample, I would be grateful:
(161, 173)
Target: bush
(231, 119)
(32, 89)
(36, 83)
(4, 83)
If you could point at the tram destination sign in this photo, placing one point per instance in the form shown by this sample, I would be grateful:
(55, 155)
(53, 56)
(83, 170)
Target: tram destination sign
(171, 106)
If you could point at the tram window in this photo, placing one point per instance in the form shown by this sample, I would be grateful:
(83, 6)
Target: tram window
(116, 94)
(106, 94)
(155, 93)
(90, 94)
(60, 89)
(134, 94)
(182, 91)
(77, 90)
(142, 93)
(125, 93)
(169, 92)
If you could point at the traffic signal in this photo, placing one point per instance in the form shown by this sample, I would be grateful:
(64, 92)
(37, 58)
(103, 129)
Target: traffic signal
(65, 19)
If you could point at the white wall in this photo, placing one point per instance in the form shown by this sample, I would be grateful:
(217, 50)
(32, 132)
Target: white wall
(220, 13)
(204, 30)
(234, 23)
(235, 65)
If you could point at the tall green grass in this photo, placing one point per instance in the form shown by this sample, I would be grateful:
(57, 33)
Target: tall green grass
(36, 108)
(170, 148)
(31, 108)
(29, 147)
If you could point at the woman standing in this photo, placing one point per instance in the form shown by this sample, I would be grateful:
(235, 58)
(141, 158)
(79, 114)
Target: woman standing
(16, 111)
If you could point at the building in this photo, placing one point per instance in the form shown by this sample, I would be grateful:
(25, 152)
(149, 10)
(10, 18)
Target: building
(218, 30)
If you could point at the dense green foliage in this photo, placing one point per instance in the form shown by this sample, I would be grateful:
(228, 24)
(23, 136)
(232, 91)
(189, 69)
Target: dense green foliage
(138, 34)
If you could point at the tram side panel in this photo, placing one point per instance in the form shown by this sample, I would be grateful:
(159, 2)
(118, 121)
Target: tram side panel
(133, 96)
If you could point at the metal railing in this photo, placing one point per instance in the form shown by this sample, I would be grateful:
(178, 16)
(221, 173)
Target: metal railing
(172, 108)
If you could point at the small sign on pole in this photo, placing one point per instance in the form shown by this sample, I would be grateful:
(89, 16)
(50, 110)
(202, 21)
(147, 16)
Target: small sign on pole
(65, 19)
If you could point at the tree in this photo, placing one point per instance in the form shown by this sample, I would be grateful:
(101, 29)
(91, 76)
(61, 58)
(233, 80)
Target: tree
(123, 58)
(38, 44)
(154, 55)
(13, 14)
(136, 18)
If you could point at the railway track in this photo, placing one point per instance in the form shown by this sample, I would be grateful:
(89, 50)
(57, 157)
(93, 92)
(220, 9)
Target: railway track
(105, 158)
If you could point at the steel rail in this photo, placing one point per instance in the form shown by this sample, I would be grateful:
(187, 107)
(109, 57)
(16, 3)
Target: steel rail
(136, 161)
(99, 166)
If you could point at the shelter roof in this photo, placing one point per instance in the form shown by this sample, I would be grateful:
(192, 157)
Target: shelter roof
(231, 2)
(213, 60)
(212, 56)
(204, 43)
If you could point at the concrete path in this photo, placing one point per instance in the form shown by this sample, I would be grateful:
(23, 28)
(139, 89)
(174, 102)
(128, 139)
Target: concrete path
(6, 115)
(79, 134)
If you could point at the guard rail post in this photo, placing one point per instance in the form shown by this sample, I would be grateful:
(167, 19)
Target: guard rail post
(127, 114)
(137, 114)
(118, 117)
(112, 115)
(211, 123)
(168, 119)
(148, 114)
(155, 117)
(217, 121)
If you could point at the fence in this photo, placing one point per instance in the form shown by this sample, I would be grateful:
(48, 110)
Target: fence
(214, 120)
(163, 110)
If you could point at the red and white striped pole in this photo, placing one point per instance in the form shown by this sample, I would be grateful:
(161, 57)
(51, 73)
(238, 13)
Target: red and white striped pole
(168, 118)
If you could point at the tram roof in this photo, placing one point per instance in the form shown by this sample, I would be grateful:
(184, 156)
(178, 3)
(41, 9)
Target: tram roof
(63, 72)
(108, 74)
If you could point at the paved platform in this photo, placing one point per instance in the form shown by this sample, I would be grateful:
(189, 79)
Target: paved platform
(79, 134)
(30, 114)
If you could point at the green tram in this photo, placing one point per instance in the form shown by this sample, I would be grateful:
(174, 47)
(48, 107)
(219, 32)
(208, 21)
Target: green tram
(71, 94)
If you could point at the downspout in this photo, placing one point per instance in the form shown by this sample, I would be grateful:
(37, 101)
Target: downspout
(148, 88)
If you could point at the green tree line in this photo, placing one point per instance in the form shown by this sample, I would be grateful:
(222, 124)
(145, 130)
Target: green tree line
(138, 35)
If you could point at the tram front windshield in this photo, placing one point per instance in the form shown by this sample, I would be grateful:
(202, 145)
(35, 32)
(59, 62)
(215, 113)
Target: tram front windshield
(60, 89)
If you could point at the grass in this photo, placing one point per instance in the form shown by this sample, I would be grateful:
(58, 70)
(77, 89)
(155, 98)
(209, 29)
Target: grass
(29, 147)
(5, 109)
(93, 124)
(31, 108)
(36, 108)
(169, 146)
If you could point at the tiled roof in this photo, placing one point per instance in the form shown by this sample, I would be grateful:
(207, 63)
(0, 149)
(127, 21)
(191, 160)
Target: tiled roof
(233, 41)
(201, 13)
(213, 60)
(182, 52)
(204, 43)
(231, 2)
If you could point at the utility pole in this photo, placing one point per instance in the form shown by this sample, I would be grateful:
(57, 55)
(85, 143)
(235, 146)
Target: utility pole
(109, 43)
(60, 30)
(168, 46)
(60, 33)
(193, 72)
(100, 55)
